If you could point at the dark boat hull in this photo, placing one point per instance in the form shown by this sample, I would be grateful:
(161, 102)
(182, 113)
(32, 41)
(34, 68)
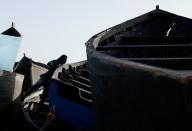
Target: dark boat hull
(24, 121)
(134, 96)
(130, 96)
(10, 89)
(31, 70)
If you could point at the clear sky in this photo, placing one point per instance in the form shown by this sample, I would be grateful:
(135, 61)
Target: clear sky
(54, 27)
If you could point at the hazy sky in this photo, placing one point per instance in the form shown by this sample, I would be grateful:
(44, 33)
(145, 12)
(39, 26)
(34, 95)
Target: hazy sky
(54, 27)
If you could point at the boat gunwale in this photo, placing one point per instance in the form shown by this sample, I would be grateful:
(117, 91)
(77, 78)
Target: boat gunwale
(183, 76)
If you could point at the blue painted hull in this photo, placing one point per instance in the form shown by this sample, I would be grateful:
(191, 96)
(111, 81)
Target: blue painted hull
(80, 116)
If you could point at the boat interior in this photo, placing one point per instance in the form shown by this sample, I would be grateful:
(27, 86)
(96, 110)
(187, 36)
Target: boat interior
(72, 84)
(75, 85)
(157, 38)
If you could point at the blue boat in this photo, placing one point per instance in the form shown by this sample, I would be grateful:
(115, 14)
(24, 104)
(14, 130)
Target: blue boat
(70, 107)
(72, 99)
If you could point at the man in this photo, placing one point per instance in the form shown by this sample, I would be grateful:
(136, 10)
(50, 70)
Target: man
(45, 78)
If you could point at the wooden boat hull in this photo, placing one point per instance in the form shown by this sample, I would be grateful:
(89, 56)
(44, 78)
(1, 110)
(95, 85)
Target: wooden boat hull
(70, 93)
(135, 96)
(24, 121)
(71, 108)
(10, 90)
(31, 70)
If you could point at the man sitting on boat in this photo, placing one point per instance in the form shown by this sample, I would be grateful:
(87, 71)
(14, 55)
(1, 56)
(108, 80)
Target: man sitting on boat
(44, 80)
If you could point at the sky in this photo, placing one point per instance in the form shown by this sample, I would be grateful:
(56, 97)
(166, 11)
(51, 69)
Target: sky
(51, 28)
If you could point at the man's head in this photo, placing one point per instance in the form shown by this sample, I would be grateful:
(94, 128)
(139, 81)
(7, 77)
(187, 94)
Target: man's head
(62, 59)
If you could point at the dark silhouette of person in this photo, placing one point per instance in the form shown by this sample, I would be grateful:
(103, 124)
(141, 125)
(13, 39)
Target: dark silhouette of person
(45, 78)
